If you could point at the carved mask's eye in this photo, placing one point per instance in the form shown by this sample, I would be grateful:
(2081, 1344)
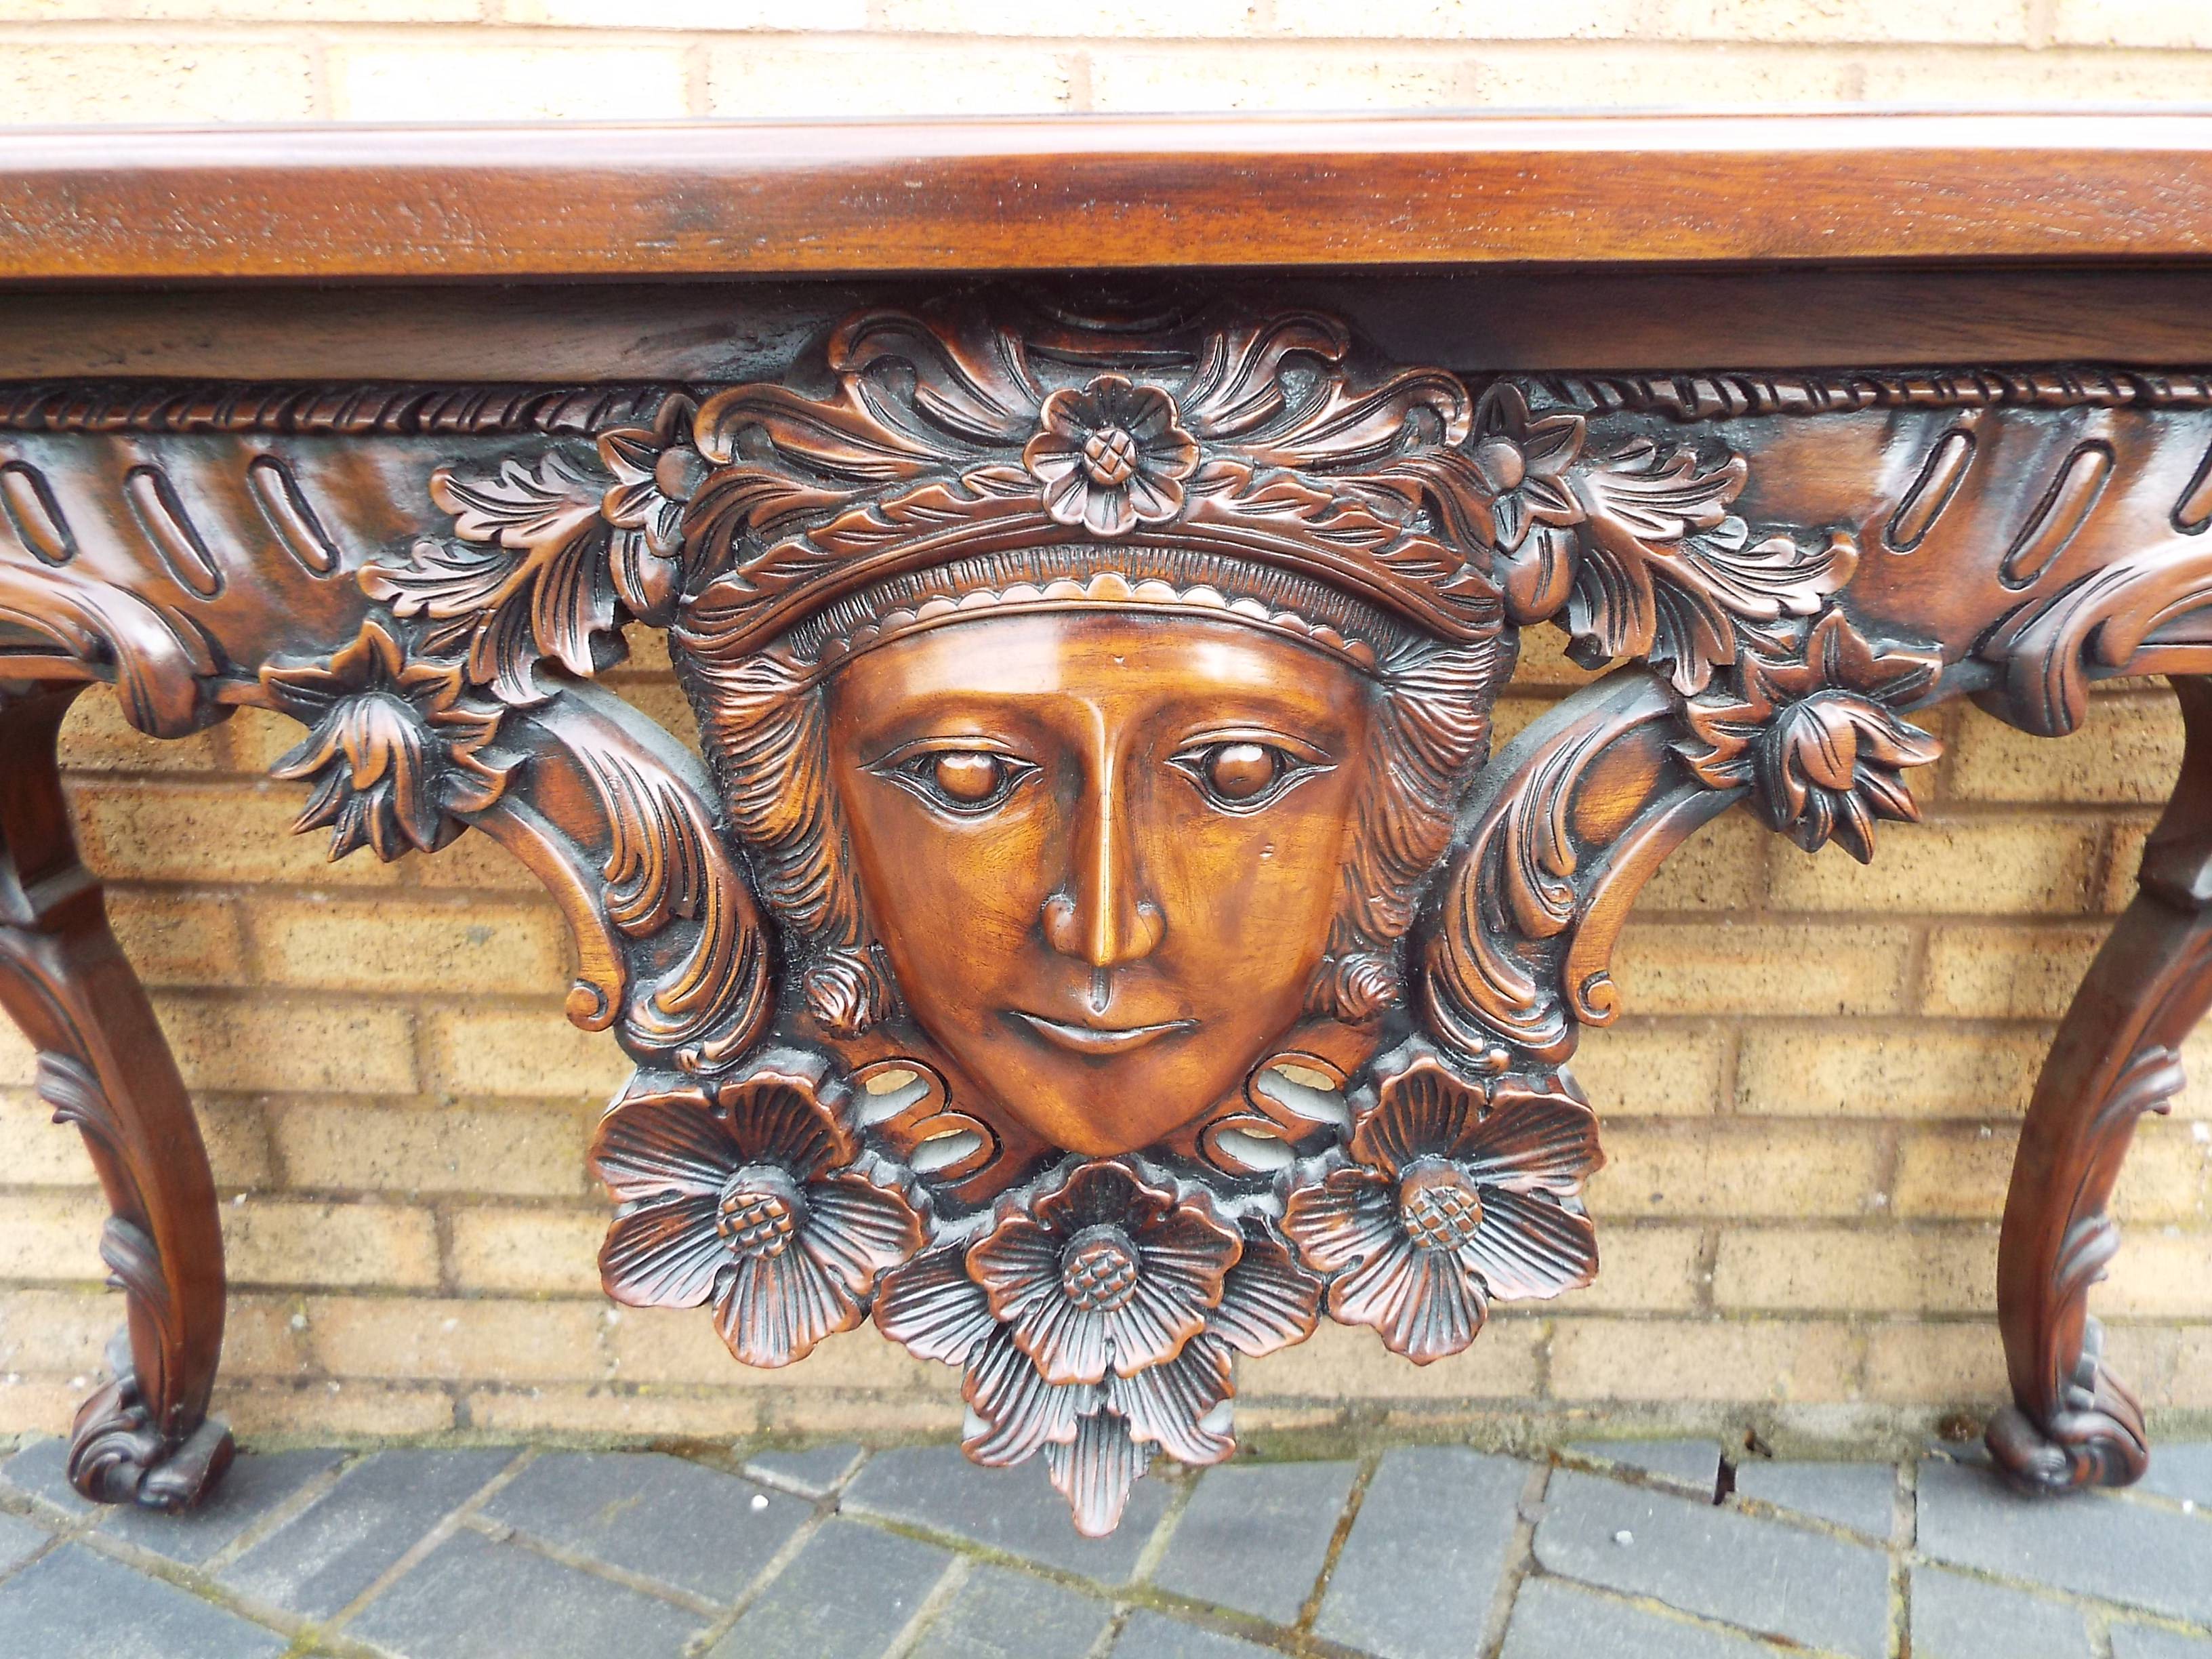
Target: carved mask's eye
(1242, 775)
(963, 781)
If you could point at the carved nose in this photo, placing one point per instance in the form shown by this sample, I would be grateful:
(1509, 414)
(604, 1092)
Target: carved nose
(1101, 916)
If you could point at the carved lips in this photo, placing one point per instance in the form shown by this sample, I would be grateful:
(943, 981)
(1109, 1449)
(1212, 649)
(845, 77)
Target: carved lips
(1100, 1040)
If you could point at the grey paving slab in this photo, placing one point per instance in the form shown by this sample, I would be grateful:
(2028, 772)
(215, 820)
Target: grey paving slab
(473, 1599)
(41, 1470)
(18, 1538)
(2147, 1641)
(1254, 1536)
(1960, 1618)
(673, 1521)
(2180, 1469)
(1693, 1463)
(1764, 1575)
(1002, 1615)
(852, 1590)
(1860, 1496)
(813, 1470)
(1013, 1510)
(2088, 1543)
(1148, 1635)
(254, 1486)
(1553, 1620)
(77, 1604)
(1417, 1576)
(335, 1548)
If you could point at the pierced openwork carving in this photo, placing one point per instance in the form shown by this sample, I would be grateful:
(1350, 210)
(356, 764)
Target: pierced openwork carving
(1098, 939)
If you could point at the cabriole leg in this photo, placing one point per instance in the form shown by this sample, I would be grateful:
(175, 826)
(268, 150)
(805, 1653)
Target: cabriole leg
(2073, 1422)
(103, 1066)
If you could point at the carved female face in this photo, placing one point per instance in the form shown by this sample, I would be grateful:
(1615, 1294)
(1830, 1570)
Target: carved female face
(1103, 849)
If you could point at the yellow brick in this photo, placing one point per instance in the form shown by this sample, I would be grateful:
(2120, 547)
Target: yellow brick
(52, 1236)
(1647, 1068)
(1538, 75)
(260, 1339)
(2008, 972)
(273, 1043)
(1140, 18)
(2128, 749)
(1587, 20)
(259, 737)
(379, 945)
(2161, 1272)
(702, 15)
(2131, 23)
(1257, 77)
(2027, 80)
(204, 832)
(516, 1151)
(554, 1250)
(2123, 859)
(1948, 1363)
(1957, 1172)
(56, 1333)
(2194, 1100)
(88, 80)
(1762, 968)
(1676, 1360)
(37, 1407)
(1349, 1363)
(2166, 1177)
(1640, 1270)
(19, 1060)
(1898, 1068)
(1544, 660)
(1976, 22)
(1717, 869)
(1725, 1168)
(323, 1409)
(827, 79)
(302, 11)
(1880, 1269)
(477, 863)
(520, 1051)
(179, 938)
(1961, 867)
(680, 1344)
(295, 1242)
(96, 737)
(409, 1339)
(507, 83)
(34, 1150)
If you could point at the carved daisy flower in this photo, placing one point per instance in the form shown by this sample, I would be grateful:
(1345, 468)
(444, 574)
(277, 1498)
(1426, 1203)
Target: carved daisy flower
(656, 471)
(1522, 465)
(750, 1200)
(1452, 1201)
(393, 747)
(1055, 1279)
(1111, 456)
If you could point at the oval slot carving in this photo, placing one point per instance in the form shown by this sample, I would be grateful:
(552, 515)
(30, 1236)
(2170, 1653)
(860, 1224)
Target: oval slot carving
(2194, 510)
(2063, 510)
(1939, 480)
(162, 516)
(35, 514)
(282, 501)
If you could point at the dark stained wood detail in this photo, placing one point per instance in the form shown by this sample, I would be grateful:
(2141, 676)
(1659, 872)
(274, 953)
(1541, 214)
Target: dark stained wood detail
(144, 1437)
(2073, 1422)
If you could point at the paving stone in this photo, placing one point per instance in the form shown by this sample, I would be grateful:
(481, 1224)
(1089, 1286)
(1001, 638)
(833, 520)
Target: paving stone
(1956, 1618)
(1254, 1536)
(77, 1603)
(813, 1470)
(2086, 1542)
(1417, 1576)
(1764, 1575)
(669, 1519)
(471, 1598)
(1012, 1510)
(2182, 1470)
(18, 1538)
(1553, 1620)
(2142, 1642)
(1002, 1615)
(852, 1590)
(334, 1549)
(1149, 1636)
(41, 1470)
(1860, 1496)
(253, 1487)
(1693, 1463)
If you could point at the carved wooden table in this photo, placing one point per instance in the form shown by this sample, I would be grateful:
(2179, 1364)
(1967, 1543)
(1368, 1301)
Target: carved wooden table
(1098, 940)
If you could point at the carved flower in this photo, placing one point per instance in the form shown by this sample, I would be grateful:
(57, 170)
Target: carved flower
(393, 747)
(656, 471)
(1813, 738)
(1523, 464)
(1452, 1201)
(750, 1199)
(1097, 1323)
(1111, 457)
